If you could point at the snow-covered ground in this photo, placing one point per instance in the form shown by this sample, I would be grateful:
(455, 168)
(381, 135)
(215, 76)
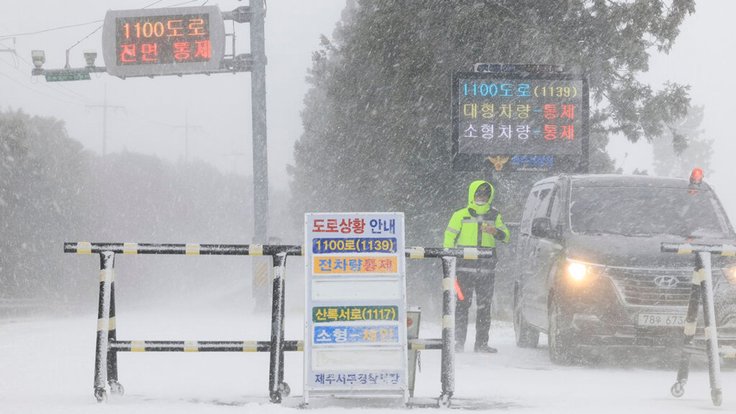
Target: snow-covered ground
(46, 366)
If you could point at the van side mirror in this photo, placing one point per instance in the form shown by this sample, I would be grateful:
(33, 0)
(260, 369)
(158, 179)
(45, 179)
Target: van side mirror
(542, 227)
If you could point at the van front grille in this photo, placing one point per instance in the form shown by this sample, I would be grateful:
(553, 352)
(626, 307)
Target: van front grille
(639, 287)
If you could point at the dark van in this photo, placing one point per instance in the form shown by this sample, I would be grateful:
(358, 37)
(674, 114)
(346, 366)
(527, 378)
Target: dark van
(590, 271)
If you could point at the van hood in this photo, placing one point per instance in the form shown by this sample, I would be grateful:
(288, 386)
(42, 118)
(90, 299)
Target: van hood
(617, 250)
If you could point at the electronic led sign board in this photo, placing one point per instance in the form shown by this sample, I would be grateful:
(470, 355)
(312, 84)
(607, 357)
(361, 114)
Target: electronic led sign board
(520, 122)
(168, 41)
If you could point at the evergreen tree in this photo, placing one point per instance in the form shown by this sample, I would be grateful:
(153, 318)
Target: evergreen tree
(377, 123)
(683, 147)
(41, 170)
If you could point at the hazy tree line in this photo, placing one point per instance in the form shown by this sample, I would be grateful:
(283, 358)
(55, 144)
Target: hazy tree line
(377, 122)
(52, 190)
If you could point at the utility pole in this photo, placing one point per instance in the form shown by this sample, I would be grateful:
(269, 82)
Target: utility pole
(105, 107)
(258, 102)
(187, 126)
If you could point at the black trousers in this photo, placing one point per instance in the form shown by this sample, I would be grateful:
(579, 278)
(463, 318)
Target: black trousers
(475, 276)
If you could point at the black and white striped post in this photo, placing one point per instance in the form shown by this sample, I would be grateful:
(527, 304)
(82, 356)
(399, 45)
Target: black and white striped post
(702, 289)
(112, 356)
(449, 258)
(107, 263)
(277, 386)
(107, 344)
(448, 331)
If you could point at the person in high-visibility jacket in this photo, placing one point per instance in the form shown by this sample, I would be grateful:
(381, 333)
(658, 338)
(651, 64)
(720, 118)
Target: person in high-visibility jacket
(477, 225)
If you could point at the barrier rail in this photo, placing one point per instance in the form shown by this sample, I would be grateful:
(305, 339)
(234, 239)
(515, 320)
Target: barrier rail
(702, 288)
(107, 344)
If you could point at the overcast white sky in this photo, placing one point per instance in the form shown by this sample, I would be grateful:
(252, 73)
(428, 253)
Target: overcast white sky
(701, 57)
(154, 109)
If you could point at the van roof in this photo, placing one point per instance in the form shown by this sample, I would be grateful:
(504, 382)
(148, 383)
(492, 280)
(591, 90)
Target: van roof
(616, 180)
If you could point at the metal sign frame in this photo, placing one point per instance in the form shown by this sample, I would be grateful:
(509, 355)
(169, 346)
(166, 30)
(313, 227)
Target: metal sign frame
(355, 338)
(216, 28)
(504, 160)
(701, 293)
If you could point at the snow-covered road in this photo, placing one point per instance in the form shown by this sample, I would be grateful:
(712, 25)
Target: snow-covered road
(46, 366)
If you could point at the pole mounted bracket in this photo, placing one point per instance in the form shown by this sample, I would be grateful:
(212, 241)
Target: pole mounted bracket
(241, 14)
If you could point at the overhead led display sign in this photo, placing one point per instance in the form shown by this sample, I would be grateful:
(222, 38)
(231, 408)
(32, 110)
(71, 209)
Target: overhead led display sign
(168, 41)
(520, 121)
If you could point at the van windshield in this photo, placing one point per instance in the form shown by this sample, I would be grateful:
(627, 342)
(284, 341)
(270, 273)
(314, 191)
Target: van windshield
(644, 211)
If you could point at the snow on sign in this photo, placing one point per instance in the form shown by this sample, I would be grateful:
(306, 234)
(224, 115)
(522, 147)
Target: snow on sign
(175, 40)
(520, 121)
(355, 327)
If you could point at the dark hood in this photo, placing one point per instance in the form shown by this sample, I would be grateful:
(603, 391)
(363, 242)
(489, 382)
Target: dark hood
(617, 250)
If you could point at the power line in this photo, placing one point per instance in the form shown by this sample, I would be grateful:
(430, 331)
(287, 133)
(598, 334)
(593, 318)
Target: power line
(66, 65)
(69, 95)
(59, 85)
(69, 26)
(153, 4)
(9, 49)
(84, 38)
(50, 89)
(186, 2)
(39, 92)
(49, 30)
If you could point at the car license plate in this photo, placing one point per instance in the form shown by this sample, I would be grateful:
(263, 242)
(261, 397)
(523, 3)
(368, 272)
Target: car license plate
(661, 319)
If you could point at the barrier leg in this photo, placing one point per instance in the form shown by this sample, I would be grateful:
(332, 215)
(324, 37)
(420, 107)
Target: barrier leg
(711, 334)
(283, 387)
(413, 318)
(448, 331)
(107, 263)
(678, 388)
(112, 354)
(276, 387)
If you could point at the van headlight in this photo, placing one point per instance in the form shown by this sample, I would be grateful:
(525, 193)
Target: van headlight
(577, 271)
(730, 274)
(580, 272)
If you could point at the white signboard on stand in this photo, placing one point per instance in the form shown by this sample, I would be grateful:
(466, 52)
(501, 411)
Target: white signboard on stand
(355, 317)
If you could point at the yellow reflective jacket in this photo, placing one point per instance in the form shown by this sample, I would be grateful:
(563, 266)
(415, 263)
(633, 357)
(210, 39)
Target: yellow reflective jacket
(464, 228)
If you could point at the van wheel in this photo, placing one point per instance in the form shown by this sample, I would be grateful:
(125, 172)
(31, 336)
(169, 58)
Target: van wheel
(526, 336)
(560, 347)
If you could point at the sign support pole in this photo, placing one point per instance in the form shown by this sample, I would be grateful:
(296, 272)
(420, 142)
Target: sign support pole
(258, 102)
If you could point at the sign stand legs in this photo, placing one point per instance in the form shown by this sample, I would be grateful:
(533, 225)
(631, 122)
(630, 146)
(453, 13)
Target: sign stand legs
(448, 331)
(277, 387)
(102, 369)
(702, 288)
(112, 355)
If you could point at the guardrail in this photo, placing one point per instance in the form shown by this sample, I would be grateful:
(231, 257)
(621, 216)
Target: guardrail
(702, 287)
(107, 344)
